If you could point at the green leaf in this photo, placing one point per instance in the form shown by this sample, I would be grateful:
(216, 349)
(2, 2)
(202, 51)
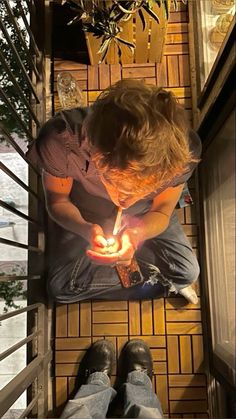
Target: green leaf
(142, 18)
(151, 13)
(104, 54)
(105, 44)
(166, 9)
(129, 44)
(158, 2)
(175, 5)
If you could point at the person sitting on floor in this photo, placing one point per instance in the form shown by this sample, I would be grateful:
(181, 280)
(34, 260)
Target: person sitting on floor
(136, 365)
(131, 149)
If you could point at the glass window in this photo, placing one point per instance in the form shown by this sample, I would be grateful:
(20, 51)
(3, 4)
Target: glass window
(215, 19)
(218, 180)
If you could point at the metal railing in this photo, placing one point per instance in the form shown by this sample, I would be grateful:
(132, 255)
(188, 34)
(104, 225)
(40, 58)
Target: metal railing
(24, 94)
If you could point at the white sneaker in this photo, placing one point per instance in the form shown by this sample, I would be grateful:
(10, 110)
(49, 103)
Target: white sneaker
(190, 294)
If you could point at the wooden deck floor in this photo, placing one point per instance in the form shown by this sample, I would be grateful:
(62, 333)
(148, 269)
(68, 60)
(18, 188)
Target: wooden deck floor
(172, 329)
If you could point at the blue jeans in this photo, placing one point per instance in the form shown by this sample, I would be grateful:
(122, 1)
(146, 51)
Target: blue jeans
(93, 398)
(166, 261)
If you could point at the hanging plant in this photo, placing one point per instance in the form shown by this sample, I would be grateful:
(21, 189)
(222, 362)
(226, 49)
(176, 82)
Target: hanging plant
(104, 21)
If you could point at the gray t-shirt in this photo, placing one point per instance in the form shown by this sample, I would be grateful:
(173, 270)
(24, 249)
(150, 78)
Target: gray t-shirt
(61, 151)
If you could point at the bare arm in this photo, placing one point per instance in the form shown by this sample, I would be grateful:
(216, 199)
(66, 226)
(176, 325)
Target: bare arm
(157, 219)
(61, 209)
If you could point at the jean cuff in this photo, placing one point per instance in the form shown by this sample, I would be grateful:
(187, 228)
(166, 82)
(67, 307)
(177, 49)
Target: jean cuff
(139, 378)
(99, 378)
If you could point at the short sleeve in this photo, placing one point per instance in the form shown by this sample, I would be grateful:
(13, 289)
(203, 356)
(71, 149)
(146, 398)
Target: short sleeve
(49, 150)
(195, 146)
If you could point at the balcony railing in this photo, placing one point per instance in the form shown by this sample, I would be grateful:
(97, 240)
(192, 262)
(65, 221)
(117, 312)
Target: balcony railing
(24, 103)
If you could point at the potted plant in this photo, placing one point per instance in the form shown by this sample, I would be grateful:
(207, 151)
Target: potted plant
(119, 31)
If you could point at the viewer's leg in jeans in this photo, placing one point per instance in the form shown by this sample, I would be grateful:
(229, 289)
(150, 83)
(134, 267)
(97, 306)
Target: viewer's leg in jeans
(140, 401)
(92, 399)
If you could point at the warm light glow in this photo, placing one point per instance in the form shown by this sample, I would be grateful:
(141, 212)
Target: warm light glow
(111, 241)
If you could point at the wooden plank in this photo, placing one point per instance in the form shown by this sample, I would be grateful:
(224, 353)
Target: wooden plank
(93, 95)
(67, 65)
(157, 33)
(184, 328)
(127, 55)
(196, 287)
(161, 73)
(158, 354)
(173, 354)
(69, 357)
(61, 390)
(115, 73)
(162, 392)
(176, 38)
(109, 305)
(66, 370)
(73, 319)
(110, 329)
(85, 319)
(193, 241)
(138, 72)
(183, 316)
(110, 317)
(93, 45)
(176, 28)
(159, 316)
(185, 354)
(130, 65)
(112, 54)
(159, 367)
(176, 17)
(185, 406)
(173, 71)
(104, 76)
(187, 104)
(71, 383)
(180, 92)
(152, 341)
(173, 303)
(146, 317)
(176, 49)
(187, 380)
(190, 229)
(121, 341)
(184, 70)
(61, 320)
(191, 393)
(72, 343)
(141, 41)
(150, 80)
(134, 318)
(190, 214)
(93, 83)
(198, 354)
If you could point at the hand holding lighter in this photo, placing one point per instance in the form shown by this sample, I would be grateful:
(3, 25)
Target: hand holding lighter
(129, 275)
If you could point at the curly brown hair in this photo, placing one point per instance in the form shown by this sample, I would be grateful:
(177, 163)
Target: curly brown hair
(142, 131)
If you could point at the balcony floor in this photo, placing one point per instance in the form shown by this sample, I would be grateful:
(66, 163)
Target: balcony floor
(172, 329)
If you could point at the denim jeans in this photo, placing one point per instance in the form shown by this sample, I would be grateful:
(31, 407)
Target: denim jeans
(93, 398)
(166, 261)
